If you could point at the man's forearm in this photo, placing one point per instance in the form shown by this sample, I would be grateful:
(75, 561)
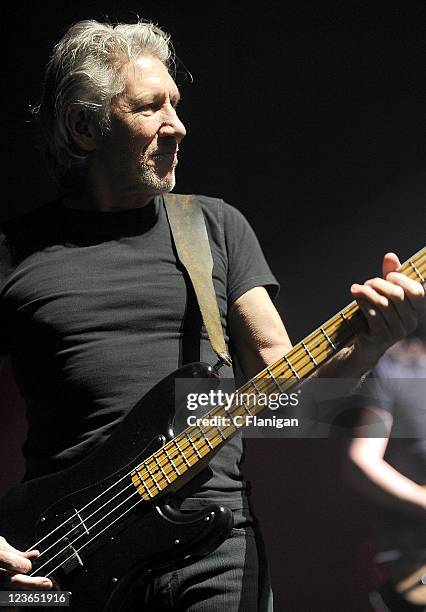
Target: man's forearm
(387, 487)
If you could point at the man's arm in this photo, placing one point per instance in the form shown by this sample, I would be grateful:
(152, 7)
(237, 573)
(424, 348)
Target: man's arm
(366, 468)
(257, 332)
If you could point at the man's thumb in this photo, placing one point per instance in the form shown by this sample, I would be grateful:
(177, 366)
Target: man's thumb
(391, 263)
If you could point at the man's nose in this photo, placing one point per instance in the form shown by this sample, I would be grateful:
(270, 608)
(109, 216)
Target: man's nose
(172, 125)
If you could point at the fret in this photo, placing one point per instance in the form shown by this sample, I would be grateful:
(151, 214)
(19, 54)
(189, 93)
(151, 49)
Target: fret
(244, 406)
(277, 384)
(421, 277)
(181, 454)
(326, 336)
(142, 482)
(308, 352)
(194, 446)
(295, 374)
(348, 323)
(222, 435)
(255, 386)
(146, 466)
(205, 437)
(161, 469)
(174, 466)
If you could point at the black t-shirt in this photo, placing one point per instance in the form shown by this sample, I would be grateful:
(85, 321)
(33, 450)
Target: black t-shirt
(400, 389)
(98, 309)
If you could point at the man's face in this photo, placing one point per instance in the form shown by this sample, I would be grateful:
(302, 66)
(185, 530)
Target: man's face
(138, 155)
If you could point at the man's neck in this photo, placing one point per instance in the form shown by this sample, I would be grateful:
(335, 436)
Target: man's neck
(86, 201)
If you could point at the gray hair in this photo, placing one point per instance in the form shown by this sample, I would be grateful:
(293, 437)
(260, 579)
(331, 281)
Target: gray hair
(84, 72)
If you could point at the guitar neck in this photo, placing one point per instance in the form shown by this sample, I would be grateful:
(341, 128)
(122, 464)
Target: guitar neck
(154, 475)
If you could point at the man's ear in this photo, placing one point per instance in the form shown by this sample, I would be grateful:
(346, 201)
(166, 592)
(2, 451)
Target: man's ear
(81, 128)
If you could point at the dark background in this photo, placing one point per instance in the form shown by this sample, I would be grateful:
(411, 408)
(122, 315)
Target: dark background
(310, 117)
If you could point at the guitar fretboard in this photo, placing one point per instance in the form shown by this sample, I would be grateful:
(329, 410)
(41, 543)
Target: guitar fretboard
(155, 474)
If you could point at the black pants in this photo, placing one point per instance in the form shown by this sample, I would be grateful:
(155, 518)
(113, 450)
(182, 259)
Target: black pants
(234, 578)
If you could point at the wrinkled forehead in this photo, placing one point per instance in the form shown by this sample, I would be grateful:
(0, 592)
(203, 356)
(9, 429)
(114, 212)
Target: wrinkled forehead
(146, 74)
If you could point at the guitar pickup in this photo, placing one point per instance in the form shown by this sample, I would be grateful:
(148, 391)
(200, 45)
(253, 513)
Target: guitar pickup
(76, 524)
(77, 530)
(72, 559)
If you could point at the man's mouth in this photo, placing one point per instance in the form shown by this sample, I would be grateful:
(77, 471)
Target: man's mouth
(170, 153)
(165, 157)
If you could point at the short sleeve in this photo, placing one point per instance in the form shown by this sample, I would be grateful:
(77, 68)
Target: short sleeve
(381, 392)
(247, 266)
(364, 407)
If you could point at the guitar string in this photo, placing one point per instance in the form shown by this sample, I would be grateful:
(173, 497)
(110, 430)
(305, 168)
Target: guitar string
(82, 534)
(100, 520)
(303, 356)
(105, 528)
(264, 382)
(94, 537)
(90, 527)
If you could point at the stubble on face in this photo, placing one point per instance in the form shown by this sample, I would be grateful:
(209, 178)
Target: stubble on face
(157, 170)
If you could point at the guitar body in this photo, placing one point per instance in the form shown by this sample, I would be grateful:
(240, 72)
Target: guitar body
(63, 512)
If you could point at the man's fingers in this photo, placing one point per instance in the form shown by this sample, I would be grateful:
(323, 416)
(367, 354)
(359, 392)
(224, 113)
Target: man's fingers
(15, 564)
(386, 288)
(413, 290)
(14, 561)
(384, 328)
(21, 581)
(399, 299)
(31, 554)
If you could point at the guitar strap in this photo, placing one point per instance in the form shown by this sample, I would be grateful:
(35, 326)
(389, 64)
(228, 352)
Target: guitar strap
(189, 233)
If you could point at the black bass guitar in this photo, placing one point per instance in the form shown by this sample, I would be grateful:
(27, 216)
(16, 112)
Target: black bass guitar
(114, 516)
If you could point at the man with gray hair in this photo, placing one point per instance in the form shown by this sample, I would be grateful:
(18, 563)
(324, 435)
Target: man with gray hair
(95, 308)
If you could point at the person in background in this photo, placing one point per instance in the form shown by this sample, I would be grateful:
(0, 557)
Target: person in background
(387, 462)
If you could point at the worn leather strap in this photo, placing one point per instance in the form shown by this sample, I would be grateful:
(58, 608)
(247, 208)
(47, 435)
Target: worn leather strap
(189, 233)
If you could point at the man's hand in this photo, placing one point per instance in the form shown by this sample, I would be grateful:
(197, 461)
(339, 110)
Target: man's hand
(392, 306)
(14, 564)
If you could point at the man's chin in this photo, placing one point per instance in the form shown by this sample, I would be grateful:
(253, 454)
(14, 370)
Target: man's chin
(156, 184)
